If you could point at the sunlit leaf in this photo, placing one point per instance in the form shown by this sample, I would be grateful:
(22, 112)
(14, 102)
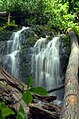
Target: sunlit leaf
(6, 112)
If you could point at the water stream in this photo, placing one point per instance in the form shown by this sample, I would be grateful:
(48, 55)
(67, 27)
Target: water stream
(46, 64)
(13, 47)
(45, 61)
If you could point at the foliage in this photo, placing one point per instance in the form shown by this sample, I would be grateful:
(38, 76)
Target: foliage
(27, 94)
(21, 114)
(10, 26)
(5, 111)
(27, 98)
(58, 14)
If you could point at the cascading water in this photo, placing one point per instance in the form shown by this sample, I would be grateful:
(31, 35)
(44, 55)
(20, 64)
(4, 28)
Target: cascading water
(12, 57)
(46, 64)
(45, 61)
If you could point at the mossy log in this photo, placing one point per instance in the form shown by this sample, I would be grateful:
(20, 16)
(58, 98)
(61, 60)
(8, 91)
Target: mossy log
(70, 108)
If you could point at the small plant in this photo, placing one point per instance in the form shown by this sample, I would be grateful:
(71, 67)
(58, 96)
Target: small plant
(10, 25)
(27, 97)
(27, 94)
(21, 113)
(5, 111)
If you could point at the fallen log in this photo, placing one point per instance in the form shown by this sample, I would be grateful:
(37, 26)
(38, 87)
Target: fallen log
(57, 88)
(44, 98)
(11, 91)
(41, 112)
(52, 107)
(70, 108)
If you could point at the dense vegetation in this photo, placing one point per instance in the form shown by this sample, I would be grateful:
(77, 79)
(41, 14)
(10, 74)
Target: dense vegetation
(52, 14)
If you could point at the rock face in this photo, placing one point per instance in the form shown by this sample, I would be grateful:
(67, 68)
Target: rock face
(25, 54)
(64, 52)
(4, 36)
(3, 46)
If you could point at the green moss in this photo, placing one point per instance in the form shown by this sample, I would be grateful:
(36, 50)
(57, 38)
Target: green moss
(10, 27)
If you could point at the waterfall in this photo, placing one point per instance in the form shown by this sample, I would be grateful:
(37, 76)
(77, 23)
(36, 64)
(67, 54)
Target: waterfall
(46, 64)
(13, 48)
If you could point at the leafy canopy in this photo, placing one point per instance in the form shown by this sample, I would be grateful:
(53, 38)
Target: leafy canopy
(58, 14)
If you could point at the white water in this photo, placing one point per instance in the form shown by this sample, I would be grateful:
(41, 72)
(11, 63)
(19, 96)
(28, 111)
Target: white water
(46, 64)
(13, 47)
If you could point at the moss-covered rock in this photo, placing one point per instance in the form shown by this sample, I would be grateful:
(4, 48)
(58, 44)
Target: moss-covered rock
(64, 51)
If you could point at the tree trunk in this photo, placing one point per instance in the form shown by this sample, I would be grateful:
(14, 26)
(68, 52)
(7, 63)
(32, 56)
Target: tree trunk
(70, 108)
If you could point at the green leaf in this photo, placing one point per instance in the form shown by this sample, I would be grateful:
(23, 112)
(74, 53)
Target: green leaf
(6, 112)
(21, 109)
(20, 115)
(39, 90)
(27, 97)
(2, 104)
(1, 117)
(30, 82)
